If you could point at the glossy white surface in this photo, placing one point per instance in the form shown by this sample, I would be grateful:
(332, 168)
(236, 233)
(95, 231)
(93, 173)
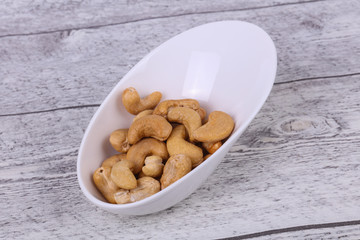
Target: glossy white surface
(228, 66)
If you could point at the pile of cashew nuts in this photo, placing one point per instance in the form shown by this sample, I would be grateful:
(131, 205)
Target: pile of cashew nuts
(165, 141)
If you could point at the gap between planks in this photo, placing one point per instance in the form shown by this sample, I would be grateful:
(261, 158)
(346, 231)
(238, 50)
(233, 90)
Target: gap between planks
(98, 104)
(316, 78)
(294, 229)
(153, 18)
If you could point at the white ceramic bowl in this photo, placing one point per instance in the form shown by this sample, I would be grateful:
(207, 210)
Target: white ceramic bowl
(228, 66)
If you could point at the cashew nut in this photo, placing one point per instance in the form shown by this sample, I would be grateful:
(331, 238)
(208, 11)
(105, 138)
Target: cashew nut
(211, 147)
(122, 196)
(202, 112)
(149, 126)
(176, 144)
(134, 104)
(144, 148)
(142, 114)
(104, 183)
(218, 127)
(122, 175)
(162, 108)
(207, 156)
(146, 186)
(109, 162)
(119, 140)
(187, 116)
(153, 166)
(141, 174)
(175, 168)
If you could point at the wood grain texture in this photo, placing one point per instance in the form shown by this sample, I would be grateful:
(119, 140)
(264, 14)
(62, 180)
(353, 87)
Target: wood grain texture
(294, 173)
(297, 164)
(351, 232)
(75, 68)
(322, 231)
(33, 17)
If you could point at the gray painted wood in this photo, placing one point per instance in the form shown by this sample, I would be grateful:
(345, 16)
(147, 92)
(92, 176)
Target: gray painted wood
(327, 233)
(80, 67)
(294, 173)
(297, 164)
(31, 17)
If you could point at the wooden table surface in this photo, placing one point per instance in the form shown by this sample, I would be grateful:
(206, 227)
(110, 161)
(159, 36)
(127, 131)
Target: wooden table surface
(294, 173)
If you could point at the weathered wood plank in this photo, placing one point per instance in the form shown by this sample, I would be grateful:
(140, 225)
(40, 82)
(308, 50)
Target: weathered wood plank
(75, 68)
(341, 232)
(29, 17)
(297, 164)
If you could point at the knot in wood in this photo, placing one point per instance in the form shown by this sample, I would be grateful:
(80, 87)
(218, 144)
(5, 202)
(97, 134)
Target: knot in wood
(297, 125)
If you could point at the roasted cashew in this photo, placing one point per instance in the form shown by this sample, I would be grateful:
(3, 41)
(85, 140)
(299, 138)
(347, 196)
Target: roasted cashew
(122, 175)
(134, 104)
(176, 144)
(119, 140)
(146, 186)
(142, 114)
(144, 148)
(104, 183)
(109, 162)
(202, 112)
(187, 116)
(149, 126)
(218, 127)
(163, 107)
(141, 174)
(207, 156)
(153, 166)
(122, 196)
(211, 147)
(175, 168)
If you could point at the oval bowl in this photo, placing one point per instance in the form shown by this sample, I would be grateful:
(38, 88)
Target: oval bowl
(227, 65)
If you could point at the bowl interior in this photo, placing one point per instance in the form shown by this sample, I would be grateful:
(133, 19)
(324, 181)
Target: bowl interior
(228, 66)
